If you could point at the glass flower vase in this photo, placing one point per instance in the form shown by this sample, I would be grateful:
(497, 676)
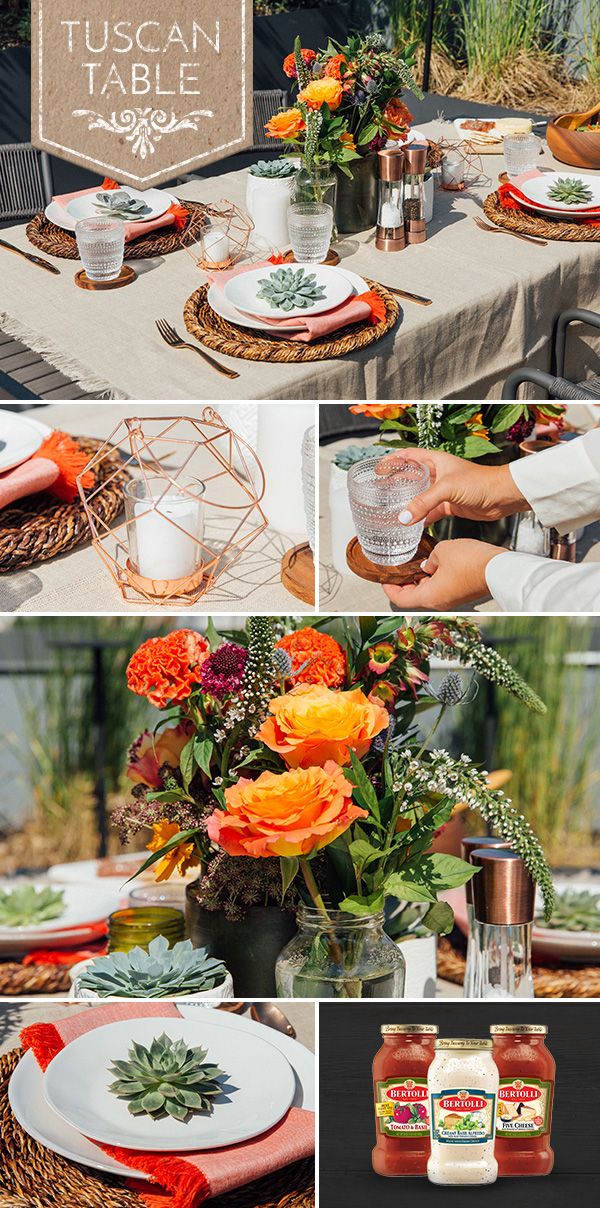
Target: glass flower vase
(316, 185)
(348, 958)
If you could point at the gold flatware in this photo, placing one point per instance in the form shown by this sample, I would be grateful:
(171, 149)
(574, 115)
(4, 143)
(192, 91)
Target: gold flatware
(494, 230)
(17, 251)
(269, 1014)
(234, 1008)
(404, 293)
(171, 338)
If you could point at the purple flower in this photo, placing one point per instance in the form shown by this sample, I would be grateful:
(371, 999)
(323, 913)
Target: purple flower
(222, 672)
(378, 142)
(521, 430)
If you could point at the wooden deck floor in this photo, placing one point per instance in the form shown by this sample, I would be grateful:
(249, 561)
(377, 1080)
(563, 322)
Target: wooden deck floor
(26, 375)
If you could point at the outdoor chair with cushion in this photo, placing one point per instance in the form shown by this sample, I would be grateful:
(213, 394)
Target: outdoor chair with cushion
(556, 385)
(26, 184)
(267, 102)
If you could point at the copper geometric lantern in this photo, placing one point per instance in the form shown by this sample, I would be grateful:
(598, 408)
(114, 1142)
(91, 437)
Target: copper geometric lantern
(174, 471)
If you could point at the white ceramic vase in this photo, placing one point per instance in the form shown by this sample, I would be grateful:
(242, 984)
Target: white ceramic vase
(419, 953)
(268, 202)
(219, 992)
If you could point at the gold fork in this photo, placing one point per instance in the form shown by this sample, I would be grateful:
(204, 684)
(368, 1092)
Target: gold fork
(171, 338)
(494, 230)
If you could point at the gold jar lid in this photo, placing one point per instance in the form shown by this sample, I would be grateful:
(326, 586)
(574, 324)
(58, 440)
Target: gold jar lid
(466, 1043)
(519, 1029)
(402, 1029)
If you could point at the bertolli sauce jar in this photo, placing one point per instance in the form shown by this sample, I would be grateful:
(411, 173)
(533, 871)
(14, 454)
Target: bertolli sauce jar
(463, 1093)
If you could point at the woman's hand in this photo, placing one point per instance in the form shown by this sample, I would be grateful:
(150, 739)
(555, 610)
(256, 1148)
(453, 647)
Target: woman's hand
(458, 488)
(455, 575)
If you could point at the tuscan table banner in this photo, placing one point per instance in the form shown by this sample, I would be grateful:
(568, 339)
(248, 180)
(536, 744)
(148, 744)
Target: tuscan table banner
(141, 90)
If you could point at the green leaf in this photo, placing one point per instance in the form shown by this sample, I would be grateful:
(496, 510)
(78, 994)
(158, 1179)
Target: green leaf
(362, 851)
(398, 886)
(187, 762)
(446, 872)
(181, 837)
(440, 918)
(368, 134)
(213, 638)
(203, 749)
(359, 905)
(289, 866)
(168, 796)
(505, 415)
(364, 789)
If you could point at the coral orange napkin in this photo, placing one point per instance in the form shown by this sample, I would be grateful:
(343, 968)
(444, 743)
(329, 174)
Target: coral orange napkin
(511, 196)
(184, 1180)
(176, 214)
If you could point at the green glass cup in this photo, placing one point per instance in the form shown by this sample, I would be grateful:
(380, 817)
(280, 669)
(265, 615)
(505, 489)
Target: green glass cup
(135, 927)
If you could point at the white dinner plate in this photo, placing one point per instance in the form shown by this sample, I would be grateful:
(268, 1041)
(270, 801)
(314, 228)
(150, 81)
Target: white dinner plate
(258, 1089)
(474, 135)
(80, 906)
(242, 291)
(27, 1100)
(570, 215)
(61, 218)
(225, 309)
(156, 201)
(413, 136)
(536, 191)
(580, 947)
(19, 439)
(84, 872)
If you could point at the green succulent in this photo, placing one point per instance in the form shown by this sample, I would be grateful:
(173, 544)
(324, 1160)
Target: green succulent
(352, 454)
(575, 910)
(273, 169)
(25, 905)
(570, 191)
(117, 203)
(290, 288)
(159, 972)
(167, 1079)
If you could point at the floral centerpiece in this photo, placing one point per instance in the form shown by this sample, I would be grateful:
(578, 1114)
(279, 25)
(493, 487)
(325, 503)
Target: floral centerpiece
(348, 104)
(471, 431)
(289, 768)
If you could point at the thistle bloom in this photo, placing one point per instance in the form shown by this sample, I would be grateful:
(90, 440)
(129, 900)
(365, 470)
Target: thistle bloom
(312, 724)
(182, 857)
(149, 753)
(287, 814)
(316, 657)
(166, 670)
(223, 671)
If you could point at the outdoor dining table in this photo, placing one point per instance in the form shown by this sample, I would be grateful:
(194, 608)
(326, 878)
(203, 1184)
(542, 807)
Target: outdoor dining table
(494, 302)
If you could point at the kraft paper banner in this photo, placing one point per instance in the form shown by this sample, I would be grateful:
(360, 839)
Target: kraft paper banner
(141, 90)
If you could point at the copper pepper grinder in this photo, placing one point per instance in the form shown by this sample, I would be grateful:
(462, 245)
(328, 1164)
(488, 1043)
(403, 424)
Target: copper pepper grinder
(468, 844)
(415, 166)
(503, 908)
(389, 235)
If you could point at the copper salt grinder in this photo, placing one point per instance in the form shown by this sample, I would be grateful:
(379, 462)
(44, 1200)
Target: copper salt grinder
(389, 234)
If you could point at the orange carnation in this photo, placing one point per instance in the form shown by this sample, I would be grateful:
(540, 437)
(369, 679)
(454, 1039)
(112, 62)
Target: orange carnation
(288, 124)
(285, 814)
(381, 410)
(312, 724)
(333, 68)
(396, 116)
(324, 658)
(322, 92)
(289, 63)
(166, 669)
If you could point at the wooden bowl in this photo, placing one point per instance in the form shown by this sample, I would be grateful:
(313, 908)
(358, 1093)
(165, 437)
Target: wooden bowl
(580, 148)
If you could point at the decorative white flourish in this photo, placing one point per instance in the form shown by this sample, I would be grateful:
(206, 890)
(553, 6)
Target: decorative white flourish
(143, 127)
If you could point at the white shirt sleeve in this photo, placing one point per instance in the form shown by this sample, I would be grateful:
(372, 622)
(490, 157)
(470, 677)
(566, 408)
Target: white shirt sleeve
(562, 485)
(526, 583)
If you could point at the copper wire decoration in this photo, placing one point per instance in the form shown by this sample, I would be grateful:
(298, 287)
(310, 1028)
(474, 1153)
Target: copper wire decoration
(209, 453)
(226, 219)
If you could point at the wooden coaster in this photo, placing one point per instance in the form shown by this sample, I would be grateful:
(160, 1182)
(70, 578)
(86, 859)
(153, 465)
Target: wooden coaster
(126, 276)
(331, 258)
(409, 572)
(298, 572)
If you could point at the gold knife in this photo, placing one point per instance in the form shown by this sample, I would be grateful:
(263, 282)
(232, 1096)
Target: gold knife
(28, 256)
(404, 293)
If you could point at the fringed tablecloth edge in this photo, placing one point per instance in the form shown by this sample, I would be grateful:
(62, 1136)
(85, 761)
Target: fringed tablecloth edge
(62, 362)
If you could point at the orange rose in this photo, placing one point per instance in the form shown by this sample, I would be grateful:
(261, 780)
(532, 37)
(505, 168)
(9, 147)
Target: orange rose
(285, 814)
(333, 68)
(289, 63)
(322, 92)
(149, 752)
(166, 669)
(288, 124)
(316, 658)
(396, 116)
(381, 410)
(312, 724)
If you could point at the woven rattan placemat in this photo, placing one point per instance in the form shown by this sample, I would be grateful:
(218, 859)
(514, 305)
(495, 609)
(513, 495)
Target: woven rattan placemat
(542, 228)
(52, 239)
(39, 1178)
(17, 980)
(220, 335)
(41, 526)
(581, 982)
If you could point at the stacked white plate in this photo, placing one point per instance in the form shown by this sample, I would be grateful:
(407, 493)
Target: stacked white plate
(537, 201)
(157, 202)
(237, 300)
(70, 1110)
(81, 913)
(20, 438)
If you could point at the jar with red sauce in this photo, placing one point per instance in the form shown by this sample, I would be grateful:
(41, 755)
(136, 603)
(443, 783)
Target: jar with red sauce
(400, 1092)
(524, 1116)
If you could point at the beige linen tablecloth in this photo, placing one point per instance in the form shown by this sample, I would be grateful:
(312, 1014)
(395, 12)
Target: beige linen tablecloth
(79, 582)
(495, 299)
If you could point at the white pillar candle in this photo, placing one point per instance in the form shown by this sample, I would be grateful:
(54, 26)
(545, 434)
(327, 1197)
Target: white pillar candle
(453, 170)
(216, 247)
(165, 527)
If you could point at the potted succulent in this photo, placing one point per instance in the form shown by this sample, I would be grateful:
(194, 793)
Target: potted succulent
(160, 972)
(304, 789)
(269, 190)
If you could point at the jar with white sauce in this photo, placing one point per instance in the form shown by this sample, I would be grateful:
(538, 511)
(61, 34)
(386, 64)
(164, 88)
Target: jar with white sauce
(463, 1090)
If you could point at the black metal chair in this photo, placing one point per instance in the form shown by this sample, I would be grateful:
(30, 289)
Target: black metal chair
(26, 184)
(267, 103)
(555, 384)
